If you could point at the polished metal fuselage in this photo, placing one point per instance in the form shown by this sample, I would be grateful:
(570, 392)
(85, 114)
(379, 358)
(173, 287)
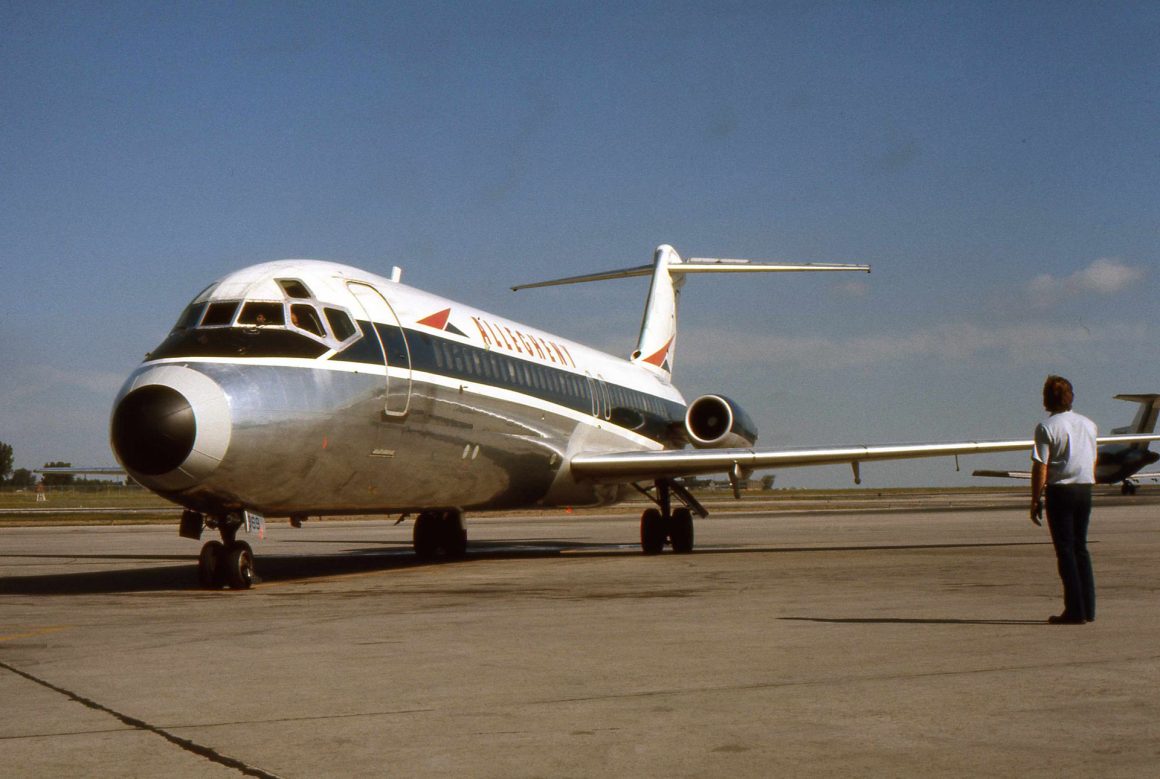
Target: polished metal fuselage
(306, 439)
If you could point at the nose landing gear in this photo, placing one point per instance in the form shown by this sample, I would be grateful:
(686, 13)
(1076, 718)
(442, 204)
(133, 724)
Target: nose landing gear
(228, 562)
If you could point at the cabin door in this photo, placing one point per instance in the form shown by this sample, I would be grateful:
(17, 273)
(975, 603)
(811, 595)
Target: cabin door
(396, 352)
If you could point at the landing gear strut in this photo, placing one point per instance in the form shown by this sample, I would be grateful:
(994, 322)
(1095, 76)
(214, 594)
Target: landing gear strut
(666, 524)
(226, 562)
(440, 530)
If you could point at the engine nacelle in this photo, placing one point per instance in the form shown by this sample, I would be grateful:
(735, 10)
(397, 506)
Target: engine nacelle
(716, 422)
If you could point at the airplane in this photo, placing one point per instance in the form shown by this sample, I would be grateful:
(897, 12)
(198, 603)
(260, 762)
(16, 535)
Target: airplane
(299, 388)
(1117, 463)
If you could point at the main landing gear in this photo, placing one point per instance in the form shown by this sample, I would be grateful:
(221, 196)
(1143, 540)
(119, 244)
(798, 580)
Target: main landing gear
(666, 524)
(228, 562)
(1128, 487)
(440, 530)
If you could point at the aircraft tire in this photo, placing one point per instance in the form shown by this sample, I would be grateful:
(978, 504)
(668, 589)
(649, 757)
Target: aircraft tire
(652, 532)
(681, 530)
(453, 535)
(425, 537)
(211, 565)
(240, 566)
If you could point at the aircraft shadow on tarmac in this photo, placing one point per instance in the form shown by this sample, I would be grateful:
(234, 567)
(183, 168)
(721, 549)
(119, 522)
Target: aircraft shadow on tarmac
(270, 567)
(376, 558)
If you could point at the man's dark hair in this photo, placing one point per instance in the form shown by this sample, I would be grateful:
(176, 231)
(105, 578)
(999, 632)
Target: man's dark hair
(1057, 394)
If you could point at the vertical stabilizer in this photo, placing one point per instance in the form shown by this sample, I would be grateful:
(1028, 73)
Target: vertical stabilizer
(1145, 420)
(658, 328)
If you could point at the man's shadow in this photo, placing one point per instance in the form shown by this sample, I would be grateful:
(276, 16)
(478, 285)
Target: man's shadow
(912, 621)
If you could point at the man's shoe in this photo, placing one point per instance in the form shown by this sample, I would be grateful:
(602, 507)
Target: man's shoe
(1064, 619)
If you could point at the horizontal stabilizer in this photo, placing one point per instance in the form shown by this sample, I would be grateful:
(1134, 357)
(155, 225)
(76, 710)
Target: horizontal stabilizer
(701, 265)
(658, 330)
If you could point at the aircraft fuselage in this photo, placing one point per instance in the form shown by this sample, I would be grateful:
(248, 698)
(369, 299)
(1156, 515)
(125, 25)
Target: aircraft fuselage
(1119, 462)
(308, 388)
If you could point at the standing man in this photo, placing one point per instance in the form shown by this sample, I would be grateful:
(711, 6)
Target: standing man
(1063, 467)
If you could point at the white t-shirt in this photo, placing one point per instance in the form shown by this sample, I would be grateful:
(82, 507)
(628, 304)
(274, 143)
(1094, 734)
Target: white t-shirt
(1066, 444)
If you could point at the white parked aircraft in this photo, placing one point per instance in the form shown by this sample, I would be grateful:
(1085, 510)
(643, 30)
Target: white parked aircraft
(299, 388)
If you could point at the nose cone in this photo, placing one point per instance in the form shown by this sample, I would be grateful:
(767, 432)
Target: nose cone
(154, 429)
(171, 427)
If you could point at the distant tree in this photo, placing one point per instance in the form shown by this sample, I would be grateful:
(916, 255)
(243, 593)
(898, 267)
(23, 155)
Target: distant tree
(22, 478)
(5, 461)
(767, 481)
(58, 479)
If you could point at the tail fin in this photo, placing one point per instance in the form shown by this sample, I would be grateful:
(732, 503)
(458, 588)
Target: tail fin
(1146, 414)
(658, 328)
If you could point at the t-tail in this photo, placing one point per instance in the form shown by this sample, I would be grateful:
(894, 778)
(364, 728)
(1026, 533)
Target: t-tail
(1145, 421)
(656, 345)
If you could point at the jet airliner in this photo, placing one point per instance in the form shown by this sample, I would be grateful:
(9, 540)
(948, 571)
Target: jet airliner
(301, 388)
(1119, 463)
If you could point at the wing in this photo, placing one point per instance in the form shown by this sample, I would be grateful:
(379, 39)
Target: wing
(101, 471)
(1025, 475)
(639, 466)
(1152, 477)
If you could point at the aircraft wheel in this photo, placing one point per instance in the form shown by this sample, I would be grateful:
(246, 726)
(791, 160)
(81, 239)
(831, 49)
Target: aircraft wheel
(1128, 488)
(425, 537)
(681, 530)
(240, 566)
(453, 535)
(211, 565)
(652, 532)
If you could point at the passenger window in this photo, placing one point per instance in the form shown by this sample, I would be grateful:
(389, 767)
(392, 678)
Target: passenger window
(219, 314)
(294, 288)
(305, 317)
(262, 314)
(340, 323)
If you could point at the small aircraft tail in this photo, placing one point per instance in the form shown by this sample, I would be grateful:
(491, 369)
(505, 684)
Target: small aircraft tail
(1146, 414)
(658, 328)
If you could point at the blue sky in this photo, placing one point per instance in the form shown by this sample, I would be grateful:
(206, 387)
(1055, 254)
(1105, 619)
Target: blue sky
(997, 163)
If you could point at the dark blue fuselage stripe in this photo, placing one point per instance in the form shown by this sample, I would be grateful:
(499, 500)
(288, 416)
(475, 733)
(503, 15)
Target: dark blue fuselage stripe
(646, 414)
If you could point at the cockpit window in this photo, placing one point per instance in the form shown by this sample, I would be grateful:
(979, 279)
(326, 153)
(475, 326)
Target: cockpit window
(298, 326)
(219, 314)
(294, 288)
(305, 317)
(201, 296)
(260, 314)
(190, 316)
(340, 323)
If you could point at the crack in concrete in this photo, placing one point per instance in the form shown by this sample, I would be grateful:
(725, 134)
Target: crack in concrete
(189, 746)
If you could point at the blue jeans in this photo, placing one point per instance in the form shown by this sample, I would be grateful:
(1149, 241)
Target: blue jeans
(1069, 508)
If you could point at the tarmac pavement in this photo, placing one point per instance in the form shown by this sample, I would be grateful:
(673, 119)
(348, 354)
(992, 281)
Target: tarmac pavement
(811, 643)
